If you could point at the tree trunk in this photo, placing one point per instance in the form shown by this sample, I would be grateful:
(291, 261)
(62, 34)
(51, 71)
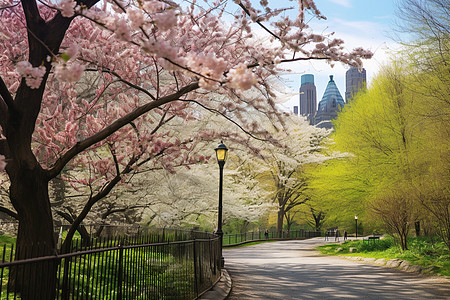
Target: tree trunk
(85, 236)
(35, 237)
(417, 227)
(280, 221)
(318, 219)
(403, 234)
(404, 242)
(288, 230)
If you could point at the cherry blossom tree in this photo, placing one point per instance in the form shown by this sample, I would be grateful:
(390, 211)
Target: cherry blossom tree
(282, 168)
(89, 85)
(189, 199)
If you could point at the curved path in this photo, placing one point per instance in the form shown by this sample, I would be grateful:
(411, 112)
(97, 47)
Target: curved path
(293, 270)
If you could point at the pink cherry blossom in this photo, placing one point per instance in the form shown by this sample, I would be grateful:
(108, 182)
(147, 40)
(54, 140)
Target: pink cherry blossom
(241, 77)
(72, 50)
(67, 8)
(153, 6)
(122, 29)
(165, 20)
(136, 17)
(68, 72)
(33, 76)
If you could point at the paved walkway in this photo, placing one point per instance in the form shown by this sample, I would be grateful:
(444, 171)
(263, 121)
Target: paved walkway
(293, 270)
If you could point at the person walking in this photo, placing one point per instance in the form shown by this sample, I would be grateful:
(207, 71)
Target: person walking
(336, 235)
(345, 234)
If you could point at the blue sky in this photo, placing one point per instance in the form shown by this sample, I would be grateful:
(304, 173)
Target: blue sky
(366, 23)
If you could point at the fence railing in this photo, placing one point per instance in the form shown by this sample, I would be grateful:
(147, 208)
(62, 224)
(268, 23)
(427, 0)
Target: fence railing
(231, 239)
(123, 262)
(171, 265)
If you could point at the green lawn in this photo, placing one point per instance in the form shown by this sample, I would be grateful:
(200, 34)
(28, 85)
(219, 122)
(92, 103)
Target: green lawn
(422, 251)
(5, 239)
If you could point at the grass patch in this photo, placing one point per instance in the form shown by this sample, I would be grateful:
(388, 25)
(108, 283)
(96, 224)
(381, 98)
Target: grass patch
(422, 251)
(4, 239)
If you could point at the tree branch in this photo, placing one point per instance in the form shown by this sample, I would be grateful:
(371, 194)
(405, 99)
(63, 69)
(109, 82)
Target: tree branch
(32, 14)
(247, 12)
(122, 209)
(6, 95)
(9, 212)
(294, 60)
(66, 216)
(103, 134)
(9, 6)
(105, 70)
(4, 148)
(226, 117)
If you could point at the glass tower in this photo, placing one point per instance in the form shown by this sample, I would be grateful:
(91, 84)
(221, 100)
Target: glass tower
(308, 99)
(354, 81)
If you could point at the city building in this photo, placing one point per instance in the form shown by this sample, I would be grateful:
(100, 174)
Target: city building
(354, 82)
(308, 98)
(331, 103)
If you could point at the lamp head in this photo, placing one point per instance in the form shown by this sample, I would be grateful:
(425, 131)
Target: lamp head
(221, 152)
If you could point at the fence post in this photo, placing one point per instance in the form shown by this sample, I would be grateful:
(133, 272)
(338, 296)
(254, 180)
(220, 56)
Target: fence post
(65, 283)
(195, 269)
(120, 275)
(211, 257)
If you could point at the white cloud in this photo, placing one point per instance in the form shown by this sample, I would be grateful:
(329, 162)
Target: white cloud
(345, 3)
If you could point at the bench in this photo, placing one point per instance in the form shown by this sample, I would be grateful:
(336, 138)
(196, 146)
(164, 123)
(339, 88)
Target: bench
(372, 238)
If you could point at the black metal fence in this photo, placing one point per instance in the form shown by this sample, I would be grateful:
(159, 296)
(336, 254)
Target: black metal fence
(231, 239)
(123, 262)
(173, 264)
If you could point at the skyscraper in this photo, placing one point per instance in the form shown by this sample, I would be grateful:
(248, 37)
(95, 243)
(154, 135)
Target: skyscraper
(331, 103)
(354, 81)
(308, 99)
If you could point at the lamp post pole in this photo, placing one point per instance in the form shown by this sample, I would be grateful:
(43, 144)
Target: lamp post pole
(219, 218)
(221, 154)
(356, 226)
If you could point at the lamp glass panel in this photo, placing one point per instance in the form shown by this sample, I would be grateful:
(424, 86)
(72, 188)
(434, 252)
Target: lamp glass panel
(221, 154)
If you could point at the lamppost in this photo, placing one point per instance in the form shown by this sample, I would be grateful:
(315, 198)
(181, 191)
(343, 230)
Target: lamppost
(356, 223)
(221, 155)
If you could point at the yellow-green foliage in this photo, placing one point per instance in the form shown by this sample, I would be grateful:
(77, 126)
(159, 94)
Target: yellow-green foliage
(396, 138)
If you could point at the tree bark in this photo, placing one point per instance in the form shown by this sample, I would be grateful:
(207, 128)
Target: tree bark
(417, 227)
(85, 236)
(28, 181)
(280, 218)
(35, 237)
